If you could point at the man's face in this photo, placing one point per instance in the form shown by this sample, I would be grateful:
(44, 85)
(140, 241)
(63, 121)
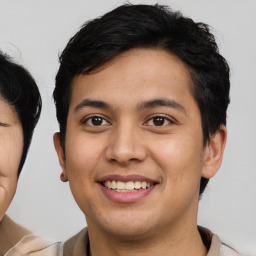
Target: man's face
(134, 145)
(11, 145)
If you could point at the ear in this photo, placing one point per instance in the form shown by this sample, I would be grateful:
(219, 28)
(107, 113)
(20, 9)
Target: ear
(214, 152)
(61, 156)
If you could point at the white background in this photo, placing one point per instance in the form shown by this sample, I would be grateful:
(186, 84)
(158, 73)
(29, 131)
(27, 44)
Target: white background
(34, 32)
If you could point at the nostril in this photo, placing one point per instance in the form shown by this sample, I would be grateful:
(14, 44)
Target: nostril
(133, 159)
(124, 161)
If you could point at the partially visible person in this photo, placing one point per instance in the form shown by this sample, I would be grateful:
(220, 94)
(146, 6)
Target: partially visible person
(20, 108)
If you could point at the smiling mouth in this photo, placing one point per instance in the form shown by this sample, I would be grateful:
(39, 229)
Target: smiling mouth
(129, 186)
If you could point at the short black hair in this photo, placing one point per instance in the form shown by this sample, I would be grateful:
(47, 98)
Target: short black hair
(18, 88)
(149, 26)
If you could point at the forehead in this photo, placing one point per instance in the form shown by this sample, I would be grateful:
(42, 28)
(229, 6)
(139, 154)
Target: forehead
(7, 112)
(136, 74)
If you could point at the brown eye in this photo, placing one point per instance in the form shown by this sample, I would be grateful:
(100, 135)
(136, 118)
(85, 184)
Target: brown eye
(158, 121)
(3, 124)
(96, 121)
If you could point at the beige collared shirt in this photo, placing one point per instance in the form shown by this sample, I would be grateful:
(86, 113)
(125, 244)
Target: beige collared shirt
(36, 246)
(79, 244)
(216, 247)
(10, 234)
(16, 240)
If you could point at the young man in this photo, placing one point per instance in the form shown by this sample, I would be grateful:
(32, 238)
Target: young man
(20, 108)
(141, 98)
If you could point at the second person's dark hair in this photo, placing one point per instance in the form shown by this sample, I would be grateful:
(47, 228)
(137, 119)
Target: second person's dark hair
(18, 88)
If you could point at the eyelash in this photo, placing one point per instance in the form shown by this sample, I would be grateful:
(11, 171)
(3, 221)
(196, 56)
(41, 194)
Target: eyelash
(3, 124)
(102, 119)
(164, 118)
(87, 119)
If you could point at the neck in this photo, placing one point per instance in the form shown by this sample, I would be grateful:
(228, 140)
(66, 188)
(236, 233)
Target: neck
(185, 241)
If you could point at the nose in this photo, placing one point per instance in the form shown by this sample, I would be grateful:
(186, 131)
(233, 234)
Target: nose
(126, 146)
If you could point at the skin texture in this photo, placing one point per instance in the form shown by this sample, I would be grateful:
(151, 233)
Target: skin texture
(129, 143)
(11, 144)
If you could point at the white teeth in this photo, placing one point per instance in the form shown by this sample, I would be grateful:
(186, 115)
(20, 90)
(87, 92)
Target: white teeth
(127, 186)
(137, 184)
(113, 184)
(144, 184)
(109, 183)
(119, 185)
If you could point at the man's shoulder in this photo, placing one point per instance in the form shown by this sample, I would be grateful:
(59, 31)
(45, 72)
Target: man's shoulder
(215, 246)
(226, 250)
(77, 244)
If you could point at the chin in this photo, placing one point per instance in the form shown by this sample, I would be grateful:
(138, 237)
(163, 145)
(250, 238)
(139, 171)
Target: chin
(128, 227)
(129, 232)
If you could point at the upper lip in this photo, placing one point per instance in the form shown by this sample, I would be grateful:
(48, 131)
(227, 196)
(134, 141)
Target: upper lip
(126, 178)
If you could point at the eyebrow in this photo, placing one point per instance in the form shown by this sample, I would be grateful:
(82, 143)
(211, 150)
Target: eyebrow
(92, 103)
(161, 102)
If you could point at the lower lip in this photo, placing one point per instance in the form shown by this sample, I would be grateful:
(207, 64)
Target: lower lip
(126, 197)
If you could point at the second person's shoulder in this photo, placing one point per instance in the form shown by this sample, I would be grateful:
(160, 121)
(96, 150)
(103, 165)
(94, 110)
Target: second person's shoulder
(37, 245)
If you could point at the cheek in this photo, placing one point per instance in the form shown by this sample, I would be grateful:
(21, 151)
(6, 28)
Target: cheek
(10, 154)
(82, 157)
(180, 163)
(11, 145)
(180, 159)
